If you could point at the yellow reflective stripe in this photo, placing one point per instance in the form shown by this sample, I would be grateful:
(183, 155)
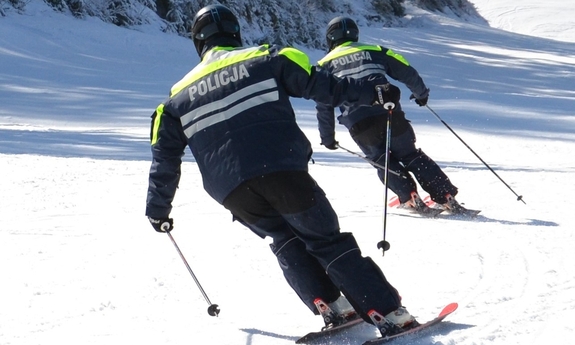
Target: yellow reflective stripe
(298, 57)
(204, 69)
(346, 49)
(397, 57)
(157, 122)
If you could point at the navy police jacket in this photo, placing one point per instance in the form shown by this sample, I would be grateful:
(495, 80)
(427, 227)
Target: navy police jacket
(358, 60)
(233, 111)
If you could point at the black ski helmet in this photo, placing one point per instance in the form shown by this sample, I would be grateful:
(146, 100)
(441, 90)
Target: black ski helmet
(339, 30)
(214, 21)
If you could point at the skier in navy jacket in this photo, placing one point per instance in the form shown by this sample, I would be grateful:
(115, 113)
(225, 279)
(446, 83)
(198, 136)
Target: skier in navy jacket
(368, 125)
(233, 111)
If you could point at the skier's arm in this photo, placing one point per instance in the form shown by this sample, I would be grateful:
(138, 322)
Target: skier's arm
(168, 144)
(399, 69)
(301, 79)
(326, 123)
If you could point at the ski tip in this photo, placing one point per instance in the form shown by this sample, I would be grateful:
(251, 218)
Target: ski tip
(450, 308)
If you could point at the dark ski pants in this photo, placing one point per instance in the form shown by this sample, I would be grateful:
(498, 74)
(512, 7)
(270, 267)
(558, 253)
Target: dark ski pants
(318, 261)
(404, 158)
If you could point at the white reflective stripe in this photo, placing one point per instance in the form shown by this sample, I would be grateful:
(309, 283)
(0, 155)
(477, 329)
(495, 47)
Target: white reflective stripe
(361, 71)
(233, 111)
(234, 97)
(222, 103)
(223, 115)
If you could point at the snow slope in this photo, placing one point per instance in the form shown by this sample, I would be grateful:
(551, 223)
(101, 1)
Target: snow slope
(550, 19)
(80, 263)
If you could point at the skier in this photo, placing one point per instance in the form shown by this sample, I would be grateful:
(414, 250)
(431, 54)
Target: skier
(368, 125)
(234, 113)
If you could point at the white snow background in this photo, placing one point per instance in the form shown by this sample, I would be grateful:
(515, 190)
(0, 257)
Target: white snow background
(80, 264)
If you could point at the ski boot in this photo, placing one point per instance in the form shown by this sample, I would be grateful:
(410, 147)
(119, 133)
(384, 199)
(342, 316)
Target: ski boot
(393, 323)
(456, 208)
(336, 313)
(416, 205)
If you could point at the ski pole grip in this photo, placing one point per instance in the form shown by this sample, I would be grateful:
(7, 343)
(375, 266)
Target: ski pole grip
(379, 90)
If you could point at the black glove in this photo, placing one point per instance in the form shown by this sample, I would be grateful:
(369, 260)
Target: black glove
(421, 102)
(332, 146)
(162, 224)
(390, 93)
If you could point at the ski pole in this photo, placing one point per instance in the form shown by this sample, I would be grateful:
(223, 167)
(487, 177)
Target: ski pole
(519, 197)
(383, 244)
(371, 162)
(213, 309)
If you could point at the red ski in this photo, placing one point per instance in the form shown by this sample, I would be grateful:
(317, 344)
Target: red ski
(450, 308)
(428, 212)
(435, 209)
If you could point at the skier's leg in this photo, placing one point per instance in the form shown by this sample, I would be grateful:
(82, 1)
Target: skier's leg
(429, 175)
(402, 185)
(317, 226)
(304, 273)
(370, 135)
(301, 270)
